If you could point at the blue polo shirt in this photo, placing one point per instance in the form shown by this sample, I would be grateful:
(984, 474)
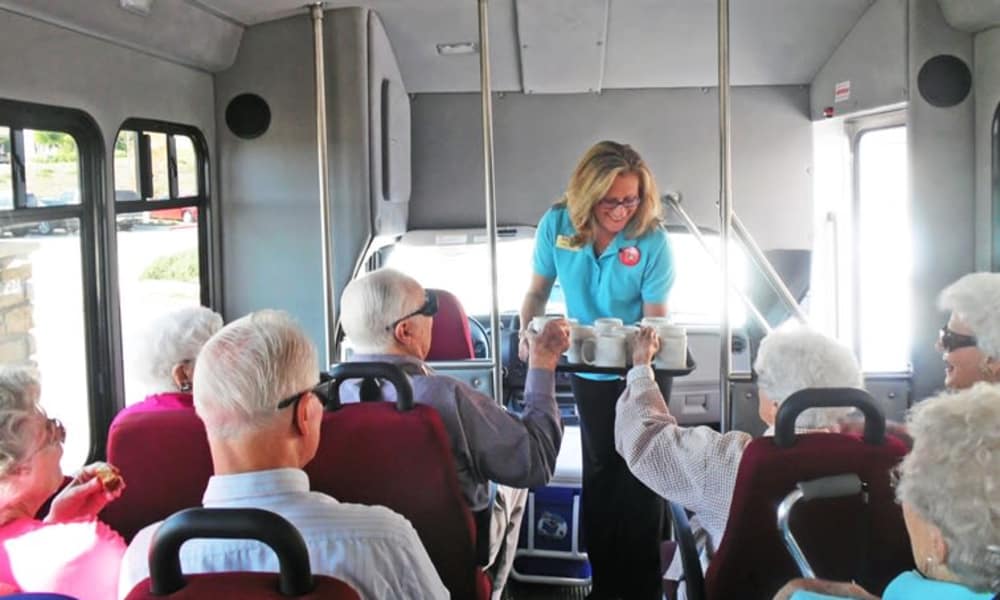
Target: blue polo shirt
(605, 286)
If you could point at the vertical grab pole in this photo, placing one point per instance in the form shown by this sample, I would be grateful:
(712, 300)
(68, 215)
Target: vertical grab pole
(329, 309)
(725, 214)
(486, 90)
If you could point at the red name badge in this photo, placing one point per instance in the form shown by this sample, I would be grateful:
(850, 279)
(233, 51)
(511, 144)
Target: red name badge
(629, 256)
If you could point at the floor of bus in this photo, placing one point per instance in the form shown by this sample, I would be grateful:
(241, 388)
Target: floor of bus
(516, 590)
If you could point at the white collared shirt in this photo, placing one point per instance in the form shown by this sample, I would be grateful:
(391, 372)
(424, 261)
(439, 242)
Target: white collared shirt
(371, 548)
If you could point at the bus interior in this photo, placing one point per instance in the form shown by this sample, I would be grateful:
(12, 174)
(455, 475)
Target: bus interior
(156, 154)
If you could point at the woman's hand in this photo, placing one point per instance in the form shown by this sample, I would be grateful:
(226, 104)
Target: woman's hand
(645, 346)
(83, 498)
(524, 338)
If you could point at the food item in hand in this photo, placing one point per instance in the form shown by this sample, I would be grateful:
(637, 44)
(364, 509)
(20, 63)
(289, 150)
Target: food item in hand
(109, 476)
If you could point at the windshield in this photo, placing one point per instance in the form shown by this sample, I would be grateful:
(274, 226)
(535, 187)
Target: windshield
(458, 261)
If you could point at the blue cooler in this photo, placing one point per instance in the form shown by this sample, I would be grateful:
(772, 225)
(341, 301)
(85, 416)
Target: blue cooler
(550, 547)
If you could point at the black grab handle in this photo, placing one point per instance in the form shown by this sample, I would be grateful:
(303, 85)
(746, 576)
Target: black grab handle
(792, 407)
(364, 370)
(295, 576)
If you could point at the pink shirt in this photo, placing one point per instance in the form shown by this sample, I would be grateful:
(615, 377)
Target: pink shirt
(157, 402)
(80, 559)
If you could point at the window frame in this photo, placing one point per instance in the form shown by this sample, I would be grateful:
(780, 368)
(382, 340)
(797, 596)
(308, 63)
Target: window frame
(202, 200)
(857, 129)
(91, 212)
(995, 185)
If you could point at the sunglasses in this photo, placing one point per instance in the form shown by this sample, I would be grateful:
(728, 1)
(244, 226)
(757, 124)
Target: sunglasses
(950, 341)
(429, 308)
(321, 390)
(612, 204)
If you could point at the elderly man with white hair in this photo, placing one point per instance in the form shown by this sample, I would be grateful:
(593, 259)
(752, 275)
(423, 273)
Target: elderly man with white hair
(970, 341)
(697, 466)
(253, 387)
(387, 316)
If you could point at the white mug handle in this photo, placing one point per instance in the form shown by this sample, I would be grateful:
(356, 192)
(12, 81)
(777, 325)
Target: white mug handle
(588, 350)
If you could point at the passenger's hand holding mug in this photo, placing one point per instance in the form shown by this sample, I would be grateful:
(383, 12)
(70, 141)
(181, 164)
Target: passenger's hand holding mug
(547, 345)
(645, 346)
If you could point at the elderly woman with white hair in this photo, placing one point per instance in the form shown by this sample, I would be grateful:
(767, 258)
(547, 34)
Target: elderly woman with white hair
(970, 341)
(697, 466)
(949, 486)
(166, 354)
(69, 551)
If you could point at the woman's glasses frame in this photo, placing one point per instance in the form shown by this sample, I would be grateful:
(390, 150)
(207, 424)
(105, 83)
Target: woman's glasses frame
(949, 341)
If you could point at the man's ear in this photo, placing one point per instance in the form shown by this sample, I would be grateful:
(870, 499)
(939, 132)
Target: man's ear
(402, 333)
(302, 416)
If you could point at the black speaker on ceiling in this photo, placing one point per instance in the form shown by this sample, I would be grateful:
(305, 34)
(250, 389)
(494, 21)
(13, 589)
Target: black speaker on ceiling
(944, 80)
(248, 116)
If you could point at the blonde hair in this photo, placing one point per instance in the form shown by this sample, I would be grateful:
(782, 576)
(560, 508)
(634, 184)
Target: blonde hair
(593, 177)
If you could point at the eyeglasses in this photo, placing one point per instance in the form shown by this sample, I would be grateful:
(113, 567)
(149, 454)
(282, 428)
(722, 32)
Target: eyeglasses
(321, 390)
(949, 341)
(55, 433)
(611, 203)
(429, 308)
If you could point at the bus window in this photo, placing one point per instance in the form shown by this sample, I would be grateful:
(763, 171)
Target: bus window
(6, 178)
(52, 171)
(883, 226)
(187, 167)
(421, 254)
(42, 314)
(159, 238)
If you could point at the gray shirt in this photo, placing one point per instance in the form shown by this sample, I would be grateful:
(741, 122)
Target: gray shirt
(488, 442)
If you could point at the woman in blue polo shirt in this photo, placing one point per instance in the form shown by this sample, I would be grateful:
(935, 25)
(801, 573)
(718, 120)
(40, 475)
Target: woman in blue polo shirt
(604, 243)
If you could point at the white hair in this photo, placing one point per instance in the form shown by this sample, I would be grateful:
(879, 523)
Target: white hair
(794, 358)
(975, 298)
(169, 340)
(371, 303)
(19, 394)
(952, 478)
(250, 366)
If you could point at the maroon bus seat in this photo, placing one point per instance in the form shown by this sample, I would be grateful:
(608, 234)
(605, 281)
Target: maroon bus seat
(861, 538)
(398, 456)
(165, 462)
(295, 579)
(451, 338)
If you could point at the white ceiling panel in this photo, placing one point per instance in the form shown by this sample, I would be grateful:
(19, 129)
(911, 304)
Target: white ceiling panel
(176, 31)
(562, 45)
(672, 43)
(415, 28)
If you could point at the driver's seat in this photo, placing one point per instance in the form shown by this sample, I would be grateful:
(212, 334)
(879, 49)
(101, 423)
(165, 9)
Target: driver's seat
(451, 338)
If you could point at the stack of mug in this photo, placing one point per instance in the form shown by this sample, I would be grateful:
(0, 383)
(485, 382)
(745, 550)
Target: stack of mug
(608, 342)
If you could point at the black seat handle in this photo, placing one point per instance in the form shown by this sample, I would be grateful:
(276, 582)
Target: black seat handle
(794, 405)
(294, 577)
(361, 370)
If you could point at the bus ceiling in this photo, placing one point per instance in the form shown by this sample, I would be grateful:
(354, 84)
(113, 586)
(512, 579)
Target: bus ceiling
(538, 46)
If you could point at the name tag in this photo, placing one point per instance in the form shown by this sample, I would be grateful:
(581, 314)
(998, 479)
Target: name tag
(565, 242)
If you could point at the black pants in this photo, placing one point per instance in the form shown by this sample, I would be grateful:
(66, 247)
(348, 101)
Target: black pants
(622, 518)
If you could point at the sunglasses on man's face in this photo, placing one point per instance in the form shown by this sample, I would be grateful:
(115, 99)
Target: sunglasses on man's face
(429, 308)
(949, 341)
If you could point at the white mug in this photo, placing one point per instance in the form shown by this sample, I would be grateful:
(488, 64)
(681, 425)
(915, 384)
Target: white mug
(606, 324)
(538, 323)
(673, 347)
(630, 332)
(604, 350)
(577, 334)
(655, 322)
